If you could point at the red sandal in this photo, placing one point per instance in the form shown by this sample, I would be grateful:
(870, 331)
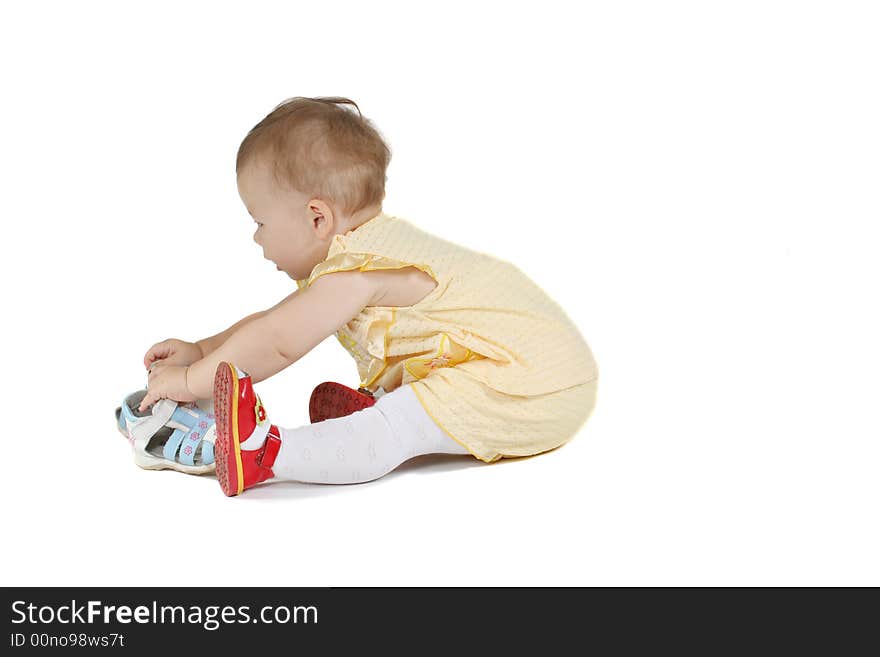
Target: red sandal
(247, 443)
(331, 399)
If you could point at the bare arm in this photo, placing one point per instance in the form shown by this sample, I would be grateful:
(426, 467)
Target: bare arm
(207, 345)
(269, 344)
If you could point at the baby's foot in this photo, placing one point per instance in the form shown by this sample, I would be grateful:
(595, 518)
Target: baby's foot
(247, 443)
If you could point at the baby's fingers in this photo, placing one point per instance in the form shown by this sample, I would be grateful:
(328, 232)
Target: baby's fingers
(158, 351)
(157, 364)
(149, 399)
(145, 403)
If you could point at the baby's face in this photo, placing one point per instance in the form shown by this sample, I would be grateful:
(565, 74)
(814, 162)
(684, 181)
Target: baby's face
(293, 230)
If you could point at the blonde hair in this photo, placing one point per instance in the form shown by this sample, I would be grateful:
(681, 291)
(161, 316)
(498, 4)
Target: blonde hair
(322, 149)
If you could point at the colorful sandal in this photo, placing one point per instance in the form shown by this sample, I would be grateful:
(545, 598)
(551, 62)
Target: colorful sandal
(331, 399)
(168, 435)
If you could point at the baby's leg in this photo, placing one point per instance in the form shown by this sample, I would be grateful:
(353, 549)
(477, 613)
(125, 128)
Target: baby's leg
(364, 445)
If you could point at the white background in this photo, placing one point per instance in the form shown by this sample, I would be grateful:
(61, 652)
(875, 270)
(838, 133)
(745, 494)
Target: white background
(695, 183)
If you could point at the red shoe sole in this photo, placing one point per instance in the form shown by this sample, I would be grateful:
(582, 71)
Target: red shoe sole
(330, 400)
(227, 447)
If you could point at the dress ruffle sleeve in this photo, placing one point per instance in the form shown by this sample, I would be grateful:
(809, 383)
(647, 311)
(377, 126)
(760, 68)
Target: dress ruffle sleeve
(347, 261)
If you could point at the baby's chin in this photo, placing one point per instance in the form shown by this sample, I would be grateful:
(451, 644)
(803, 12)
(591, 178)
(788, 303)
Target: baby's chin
(287, 273)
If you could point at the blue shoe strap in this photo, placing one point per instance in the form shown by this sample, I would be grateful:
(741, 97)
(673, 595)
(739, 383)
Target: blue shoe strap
(186, 419)
(207, 452)
(191, 442)
(126, 417)
(188, 447)
(170, 449)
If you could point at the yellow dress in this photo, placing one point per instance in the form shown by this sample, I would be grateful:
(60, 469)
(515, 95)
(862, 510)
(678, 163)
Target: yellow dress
(491, 357)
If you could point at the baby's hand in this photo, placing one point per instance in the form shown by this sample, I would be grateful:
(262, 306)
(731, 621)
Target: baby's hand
(173, 352)
(167, 383)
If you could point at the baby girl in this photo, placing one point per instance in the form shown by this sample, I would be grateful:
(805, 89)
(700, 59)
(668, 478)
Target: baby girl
(458, 352)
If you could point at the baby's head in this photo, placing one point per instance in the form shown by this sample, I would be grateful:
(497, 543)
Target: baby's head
(310, 170)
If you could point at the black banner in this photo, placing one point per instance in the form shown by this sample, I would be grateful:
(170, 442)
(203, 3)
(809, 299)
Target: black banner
(541, 620)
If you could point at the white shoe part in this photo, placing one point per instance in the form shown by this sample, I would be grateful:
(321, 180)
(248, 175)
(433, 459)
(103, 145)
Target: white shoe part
(256, 439)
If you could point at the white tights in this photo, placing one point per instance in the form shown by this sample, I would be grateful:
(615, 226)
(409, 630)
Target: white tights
(362, 446)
